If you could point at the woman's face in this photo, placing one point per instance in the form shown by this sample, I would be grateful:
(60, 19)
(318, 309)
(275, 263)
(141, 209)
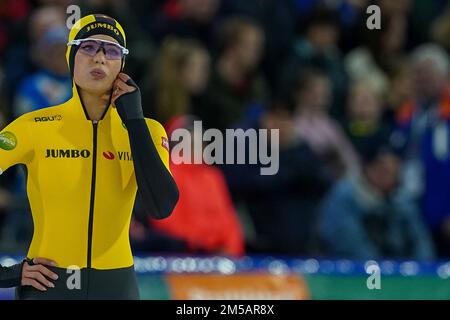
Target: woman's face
(384, 173)
(316, 96)
(364, 104)
(394, 39)
(96, 74)
(196, 72)
(249, 48)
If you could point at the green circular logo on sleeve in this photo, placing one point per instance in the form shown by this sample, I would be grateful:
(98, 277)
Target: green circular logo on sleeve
(8, 140)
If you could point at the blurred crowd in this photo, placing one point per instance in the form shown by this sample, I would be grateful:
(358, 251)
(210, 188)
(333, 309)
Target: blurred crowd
(363, 118)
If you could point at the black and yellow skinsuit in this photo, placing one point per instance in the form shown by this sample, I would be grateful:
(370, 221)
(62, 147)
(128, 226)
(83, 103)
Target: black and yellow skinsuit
(82, 179)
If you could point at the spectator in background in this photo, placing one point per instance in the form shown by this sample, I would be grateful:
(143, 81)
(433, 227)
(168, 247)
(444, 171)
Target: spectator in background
(430, 67)
(363, 216)
(422, 14)
(423, 135)
(181, 73)
(5, 196)
(5, 201)
(3, 109)
(351, 14)
(383, 48)
(278, 20)
(318, 48)
(186, 18)
(63, 4)
(14, 223)
(51, 84)
(400, 7)
(14, 17)
(11, 12)
(364, 123)
(44, 18)
(313, 124)
(280, 210)
(204, 217)
(441, 29)
(236, 83)
(400, 91)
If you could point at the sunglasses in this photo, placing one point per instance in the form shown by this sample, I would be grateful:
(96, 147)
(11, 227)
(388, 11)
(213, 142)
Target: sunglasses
(90, 47)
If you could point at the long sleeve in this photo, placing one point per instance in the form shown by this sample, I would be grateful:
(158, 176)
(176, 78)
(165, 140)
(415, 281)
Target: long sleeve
(156, 186)
(150, 152)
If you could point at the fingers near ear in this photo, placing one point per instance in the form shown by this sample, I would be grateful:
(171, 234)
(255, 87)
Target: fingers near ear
(124, 77)
(124, 87)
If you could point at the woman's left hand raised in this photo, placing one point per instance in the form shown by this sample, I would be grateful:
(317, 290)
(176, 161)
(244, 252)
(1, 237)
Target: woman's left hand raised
(126, 97)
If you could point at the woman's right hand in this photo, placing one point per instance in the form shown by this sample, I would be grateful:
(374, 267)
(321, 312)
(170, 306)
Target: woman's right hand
(37, 275)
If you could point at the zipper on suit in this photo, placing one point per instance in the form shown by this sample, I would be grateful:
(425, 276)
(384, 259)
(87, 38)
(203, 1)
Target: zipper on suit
(91, 209)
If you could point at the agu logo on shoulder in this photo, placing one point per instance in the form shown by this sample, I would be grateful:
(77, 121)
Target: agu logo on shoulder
(8, 140)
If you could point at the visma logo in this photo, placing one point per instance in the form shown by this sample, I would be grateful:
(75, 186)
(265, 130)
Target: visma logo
(108, 155)
(123, 155)
(67, 153)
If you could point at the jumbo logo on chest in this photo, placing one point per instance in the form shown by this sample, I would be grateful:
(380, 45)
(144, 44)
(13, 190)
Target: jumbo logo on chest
(67, 153)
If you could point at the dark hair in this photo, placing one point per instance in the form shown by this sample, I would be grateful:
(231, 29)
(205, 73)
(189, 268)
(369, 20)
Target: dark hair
(322, 15)
(305, 76)
(286, 96)
(319, 16)
(374, 39)
(282, 105)
(232, 29)
(374, 149)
